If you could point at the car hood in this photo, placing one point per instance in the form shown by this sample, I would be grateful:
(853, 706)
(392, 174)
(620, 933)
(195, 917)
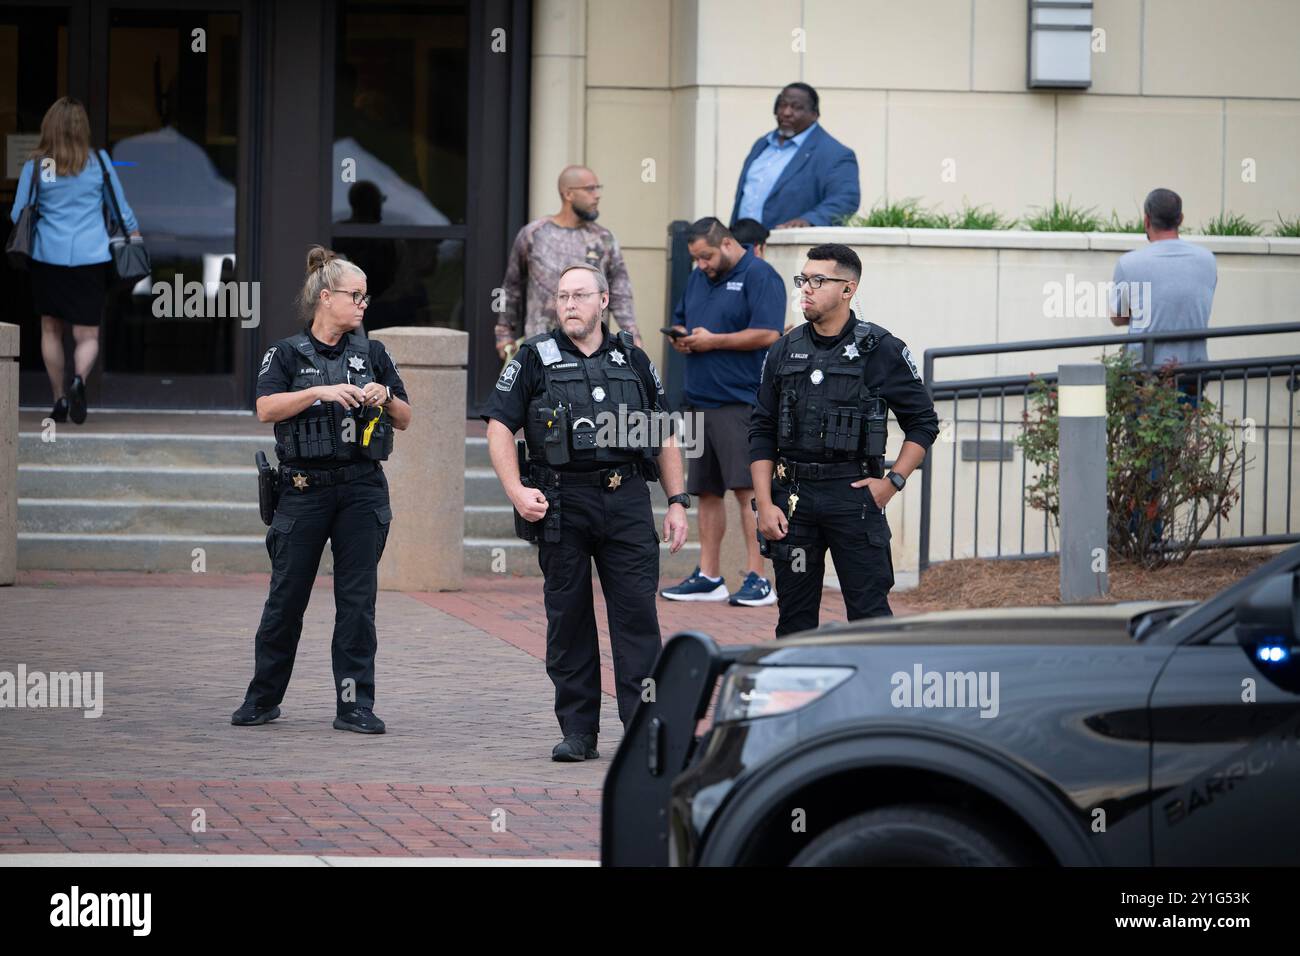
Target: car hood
(1056, 624)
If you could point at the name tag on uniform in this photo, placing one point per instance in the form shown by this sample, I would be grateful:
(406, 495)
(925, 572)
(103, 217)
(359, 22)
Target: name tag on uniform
(735, 286)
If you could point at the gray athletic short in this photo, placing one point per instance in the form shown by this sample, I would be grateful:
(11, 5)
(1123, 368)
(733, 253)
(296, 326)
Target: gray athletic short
(724, 463)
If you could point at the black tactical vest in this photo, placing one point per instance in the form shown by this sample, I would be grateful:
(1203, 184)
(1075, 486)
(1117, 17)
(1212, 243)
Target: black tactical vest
(830, 406)
(586, 398)
(319, 432)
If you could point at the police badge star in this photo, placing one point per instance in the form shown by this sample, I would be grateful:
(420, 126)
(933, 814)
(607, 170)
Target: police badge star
(617, 358)
(356, 363)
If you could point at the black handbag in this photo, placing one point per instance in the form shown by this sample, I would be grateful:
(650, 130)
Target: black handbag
(22, 238)
(130, 257)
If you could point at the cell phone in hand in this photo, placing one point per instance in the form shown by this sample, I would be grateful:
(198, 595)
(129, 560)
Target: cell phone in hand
(673, 333)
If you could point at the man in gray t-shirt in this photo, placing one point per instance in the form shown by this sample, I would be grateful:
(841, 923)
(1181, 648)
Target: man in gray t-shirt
(1165, 286)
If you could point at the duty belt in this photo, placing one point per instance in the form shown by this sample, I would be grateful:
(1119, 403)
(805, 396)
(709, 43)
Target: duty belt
(301, 479)
(788, 470)
(607, 478)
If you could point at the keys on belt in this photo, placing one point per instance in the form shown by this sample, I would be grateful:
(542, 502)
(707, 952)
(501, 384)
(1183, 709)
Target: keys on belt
(790, 471)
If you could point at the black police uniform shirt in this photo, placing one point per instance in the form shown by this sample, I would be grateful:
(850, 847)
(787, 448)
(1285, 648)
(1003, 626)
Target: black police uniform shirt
(901, 388)
(279, 368)
(521, 380)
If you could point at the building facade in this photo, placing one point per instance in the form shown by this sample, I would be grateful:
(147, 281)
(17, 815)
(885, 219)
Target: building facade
(418, 136)
(243, 132)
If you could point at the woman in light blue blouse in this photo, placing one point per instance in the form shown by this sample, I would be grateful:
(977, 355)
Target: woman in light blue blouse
(71, 266)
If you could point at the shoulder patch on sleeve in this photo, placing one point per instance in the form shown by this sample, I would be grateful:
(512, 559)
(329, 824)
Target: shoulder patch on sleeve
(907, 357)
(506, 381)
(655, 373)
(266, 360)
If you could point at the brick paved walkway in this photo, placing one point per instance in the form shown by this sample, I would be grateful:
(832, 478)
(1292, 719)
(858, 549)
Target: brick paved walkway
(460, 683)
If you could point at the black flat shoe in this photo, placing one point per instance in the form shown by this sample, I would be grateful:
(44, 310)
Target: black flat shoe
(60, 412)
(77, 400)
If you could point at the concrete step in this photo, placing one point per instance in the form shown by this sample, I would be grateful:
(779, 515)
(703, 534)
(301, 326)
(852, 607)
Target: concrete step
(498, 521)
(519, 558)
(222, 554)
(139, 482)
(476, 453)
(148, 450)
(143, 501)
(242, 554)
(162, 450)
(127, 516)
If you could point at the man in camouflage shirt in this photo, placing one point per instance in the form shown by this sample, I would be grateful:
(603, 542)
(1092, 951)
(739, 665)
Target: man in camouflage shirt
(546, 247)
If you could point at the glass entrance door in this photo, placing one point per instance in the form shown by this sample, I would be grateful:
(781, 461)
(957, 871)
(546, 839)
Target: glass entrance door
(171, 123)
(162, 85)
(34, 61)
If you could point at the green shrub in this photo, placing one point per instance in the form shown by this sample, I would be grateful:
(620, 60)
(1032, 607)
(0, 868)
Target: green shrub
(974, 217)
(1287, 227)
(1231, 224)
(904, 214)
(1063, 217)
(1115, 224)
(1171, 470)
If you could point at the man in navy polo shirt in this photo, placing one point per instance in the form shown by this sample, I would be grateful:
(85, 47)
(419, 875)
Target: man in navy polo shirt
(732, 311)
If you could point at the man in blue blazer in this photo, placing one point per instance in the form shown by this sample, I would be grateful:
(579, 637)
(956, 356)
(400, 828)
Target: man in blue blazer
(798, 174)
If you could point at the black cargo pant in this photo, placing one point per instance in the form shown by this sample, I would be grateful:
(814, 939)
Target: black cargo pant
(355, 518)
(830, 512)
(617, 529)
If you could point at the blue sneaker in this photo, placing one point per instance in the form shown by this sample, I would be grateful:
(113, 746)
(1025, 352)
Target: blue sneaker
(698, 588)
(755, 592)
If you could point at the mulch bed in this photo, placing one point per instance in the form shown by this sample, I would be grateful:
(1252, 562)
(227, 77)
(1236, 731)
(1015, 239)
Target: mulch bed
(1005, 583)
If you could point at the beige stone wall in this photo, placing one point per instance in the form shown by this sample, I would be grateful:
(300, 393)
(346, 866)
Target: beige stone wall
(663, 98)
(1185, 92)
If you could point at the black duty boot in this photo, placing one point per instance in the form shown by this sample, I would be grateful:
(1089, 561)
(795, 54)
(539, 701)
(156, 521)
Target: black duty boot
(250, 715)
(360, 720)
(575, 747)
(60, 412)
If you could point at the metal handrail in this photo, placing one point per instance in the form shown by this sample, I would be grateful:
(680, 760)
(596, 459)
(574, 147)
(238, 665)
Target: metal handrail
(956, 389)
(1227, 366)
(1083, 341)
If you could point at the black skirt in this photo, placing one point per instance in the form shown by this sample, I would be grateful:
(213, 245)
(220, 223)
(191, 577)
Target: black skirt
(72, 293)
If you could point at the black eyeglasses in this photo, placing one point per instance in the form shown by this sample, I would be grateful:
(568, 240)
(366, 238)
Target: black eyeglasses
(815, 281)
(363, 298)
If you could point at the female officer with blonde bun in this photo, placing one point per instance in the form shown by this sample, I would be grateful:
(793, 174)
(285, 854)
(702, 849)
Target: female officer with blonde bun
(335, 398)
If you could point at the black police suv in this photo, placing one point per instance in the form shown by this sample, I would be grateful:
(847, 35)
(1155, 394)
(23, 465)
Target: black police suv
(1129, 734)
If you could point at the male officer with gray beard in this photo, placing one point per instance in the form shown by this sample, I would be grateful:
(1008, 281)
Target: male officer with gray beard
(584, 495)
